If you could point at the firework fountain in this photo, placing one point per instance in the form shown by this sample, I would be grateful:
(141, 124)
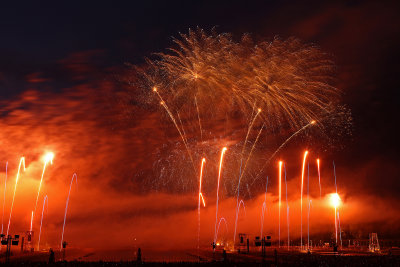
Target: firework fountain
(279, 205)
(21, 163)
(301, 199)
(319, 178)
(66, 207)
(201, 198)
(287, 213)
(45, 201)
(308, 202)
(264, 209)
(216, 205)
(30, 229)
(340, 230)
(48, 158)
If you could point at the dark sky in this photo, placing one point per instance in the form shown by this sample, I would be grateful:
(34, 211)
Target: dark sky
(63, 51)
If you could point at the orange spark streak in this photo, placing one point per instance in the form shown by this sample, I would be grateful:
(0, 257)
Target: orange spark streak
(47, 158)
(31, 221)
(280, 196)
(200, 182)
(335, 202)
(219, 176)
(200, 198)
(319, 179)
(301, 199)
(21, 162)
(45, 201)
(162, 102)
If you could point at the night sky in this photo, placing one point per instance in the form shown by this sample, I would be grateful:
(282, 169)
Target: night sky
(62, 72)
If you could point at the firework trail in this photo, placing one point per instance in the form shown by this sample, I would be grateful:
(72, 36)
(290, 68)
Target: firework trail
(334, 173)
(219, 177)
(340, 230)
(336, 212)
(319, 179)
(162, 102)
(308, 225)
(4, 198)
(48, 158)
(21, 162)
(198, 117)
(199, 202)
(244, 169)
(66, 207)
(287, 210)
(308, 201)
(183, 129)
(31, 221)
(281, 146)
(248, 157)
(279, 206)
(249, 129)
(301, 199)
(45, 201)
(264, 209)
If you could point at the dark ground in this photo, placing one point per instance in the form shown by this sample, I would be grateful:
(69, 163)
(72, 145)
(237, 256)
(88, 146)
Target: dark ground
(293, 258)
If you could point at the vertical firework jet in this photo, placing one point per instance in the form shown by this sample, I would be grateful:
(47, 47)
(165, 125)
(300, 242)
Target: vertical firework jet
(308, 226)
(335, 202)
(66, 207)
(219, 177)
(301, 200)
(47, 158)
(287, 212)
(308, 201)
(279, 206)
(264, 209)
(45, 201)
(319, 178)
(340, 230)
(21, 163)
(199, 202)
(30, 229)
(4, 198)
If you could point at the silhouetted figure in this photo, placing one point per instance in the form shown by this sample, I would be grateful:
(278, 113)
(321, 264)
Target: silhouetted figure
(335, 247)
(248, 245)
(213, 245)
(139, 255)
(51, 256)
(225, 259)
(276, 257)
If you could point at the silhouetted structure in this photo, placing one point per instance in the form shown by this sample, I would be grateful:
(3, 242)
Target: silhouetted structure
(139, 255)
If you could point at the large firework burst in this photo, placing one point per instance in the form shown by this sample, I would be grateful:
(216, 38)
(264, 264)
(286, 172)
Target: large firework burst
(208, 83)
